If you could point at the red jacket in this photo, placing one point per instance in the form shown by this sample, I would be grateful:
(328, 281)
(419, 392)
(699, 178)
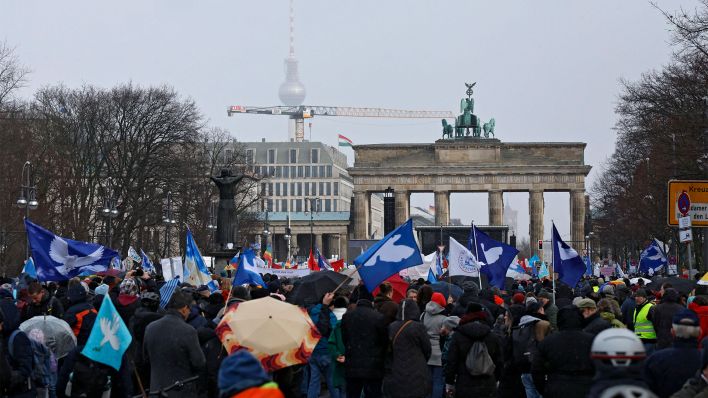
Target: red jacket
(702, 311)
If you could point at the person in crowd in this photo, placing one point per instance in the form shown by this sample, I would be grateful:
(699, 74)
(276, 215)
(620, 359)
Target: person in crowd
(425, 293)
(618, 355)
(446, 332)
(610, 311)
(663, 317)
(336, 346)
(432, 319)
(564, 359)
(665, 371)
(412, 293)
(144, 315)
(172, 348)
(593, 322)
(320, 363)
(699, 305)
(473, 327)
(627, 307)
(384, 295)
(409, 376)
(365, 342)
(40, 302)
(532, 329)
(81, 314)
(550, 309)
(128, 299)
(19, 354)
(242, 376)
(642, 320)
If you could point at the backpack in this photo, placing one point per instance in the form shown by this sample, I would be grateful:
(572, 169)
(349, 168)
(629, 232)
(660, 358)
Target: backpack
(523, 342)
(44, 363)
(80, 320)
(478, 361)
(88, 378)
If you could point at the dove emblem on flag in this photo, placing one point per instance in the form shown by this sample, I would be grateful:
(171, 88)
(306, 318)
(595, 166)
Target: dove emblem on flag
(109, 328)
(566, 254)
(493, 254)
(109, 338)
(390, 252)
(59, 252)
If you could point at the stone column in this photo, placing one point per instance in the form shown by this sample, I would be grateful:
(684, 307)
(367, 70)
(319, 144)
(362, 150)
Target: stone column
(536, 220)
(577, 219)
(442, 207)
(293, 245)
(361, 214)
(402, 199)
(344, 247)
(318, 243)
(496, 208)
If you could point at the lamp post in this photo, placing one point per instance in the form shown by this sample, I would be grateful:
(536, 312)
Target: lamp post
(169, 221)
(288, 236)
(28, 196)
(211, 226)
(109, 211)
(314, 206)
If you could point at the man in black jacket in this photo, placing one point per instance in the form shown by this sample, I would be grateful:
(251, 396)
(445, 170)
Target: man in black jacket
(593, 322)
(365, 343)
(41, 303)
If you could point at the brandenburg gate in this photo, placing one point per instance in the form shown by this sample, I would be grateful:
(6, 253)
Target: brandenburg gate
(471, 162)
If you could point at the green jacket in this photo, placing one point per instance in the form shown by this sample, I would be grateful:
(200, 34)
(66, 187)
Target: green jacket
(336, 348)
(610, 317)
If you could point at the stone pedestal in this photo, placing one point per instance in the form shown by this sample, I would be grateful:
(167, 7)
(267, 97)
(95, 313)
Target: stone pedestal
(402, 199)
(442, 207)
(361, 214)
(536, 220)
(222, 258)
(577, 219)
(496, 208)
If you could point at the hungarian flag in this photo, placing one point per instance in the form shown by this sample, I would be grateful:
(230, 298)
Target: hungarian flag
(312, 262)
(344, 141)
(337, 265)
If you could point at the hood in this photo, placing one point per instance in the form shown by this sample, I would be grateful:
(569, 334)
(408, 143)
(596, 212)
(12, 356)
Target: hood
(569, 318)
(701, 310)
(339, 313)
(527, 319)
(517, 311)
(76, 294)
(474, 330)
(408, 311)
(240, 371)
(126, 299)
(11, 316)
(433, 308)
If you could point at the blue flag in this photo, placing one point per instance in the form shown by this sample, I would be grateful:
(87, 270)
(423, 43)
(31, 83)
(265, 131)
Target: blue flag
(652, 258)
(396, 251)
(196, 272)
(431, 276)
(29, 268)
(566, 261)
(147, 265)
(321, 262)
(588, 266)
(496, 256)
(167, 290)
(244, 275)
(57, 258)
(438, 263)
(543, 271)
(109, 336)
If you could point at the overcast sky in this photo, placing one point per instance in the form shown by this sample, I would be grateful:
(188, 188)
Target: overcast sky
(545, 70)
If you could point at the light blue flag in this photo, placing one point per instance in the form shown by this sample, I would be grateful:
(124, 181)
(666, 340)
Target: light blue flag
(396, 251)
(588, 266)
(147, 264)
(652, 258)
(496, 256)
(566, 261)
(431, 276)
(532, 263)
(543, 271)
(57, 259)
(213, 286)
(29, 268)
(109, 337)
(438, 262)
(196, 272)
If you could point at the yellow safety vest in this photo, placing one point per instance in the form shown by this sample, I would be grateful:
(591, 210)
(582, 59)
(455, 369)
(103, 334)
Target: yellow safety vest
(596, 289)
(643, 327)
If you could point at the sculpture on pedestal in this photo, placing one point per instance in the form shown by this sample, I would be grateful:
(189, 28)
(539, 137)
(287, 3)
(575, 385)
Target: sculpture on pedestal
(225, 220)
(467, 124)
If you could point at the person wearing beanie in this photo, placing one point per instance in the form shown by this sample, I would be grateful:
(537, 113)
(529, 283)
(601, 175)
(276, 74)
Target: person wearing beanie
(518, 298)
(446, 332)
(522, 338)
(433, 318)
(663, 316)
(546, 299)
(81, 314)
(593, 323)
(642, 320)
(242, 376)
(666, 371)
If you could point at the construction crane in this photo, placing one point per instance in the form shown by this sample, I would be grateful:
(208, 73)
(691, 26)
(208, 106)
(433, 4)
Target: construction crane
(299, 113)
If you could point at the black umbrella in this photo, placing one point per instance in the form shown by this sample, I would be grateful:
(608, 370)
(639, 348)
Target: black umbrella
(311, 288)
(681, 285)
(447, 289)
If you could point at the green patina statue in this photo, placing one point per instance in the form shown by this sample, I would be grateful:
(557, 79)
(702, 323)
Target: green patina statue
(467, 123)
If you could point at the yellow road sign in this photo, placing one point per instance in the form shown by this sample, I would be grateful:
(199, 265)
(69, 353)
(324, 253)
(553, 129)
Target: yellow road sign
(697, 191)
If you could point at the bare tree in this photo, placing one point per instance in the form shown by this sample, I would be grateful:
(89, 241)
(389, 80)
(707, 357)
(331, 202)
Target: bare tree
(13, 76)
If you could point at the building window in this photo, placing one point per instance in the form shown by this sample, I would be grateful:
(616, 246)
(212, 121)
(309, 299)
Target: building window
(328, 205)
(314, 172)
(228, 156)
(314, 189)
(307, 189)
(293, 156)
(271, 171)
(250, 156)
(336, 189)
(286, 172)
(322, 171)
(270, 204)
(298, 205)
(329, 171)
(322, 191)
(334, 205)
(299, 171)
(270, 189)
(271, 156)
(315, 156)
(277, 171)
(292, 171)
(293, 192)
(284, 205)
(307, 171)
(285, 189)
(328, 186)
(277, 189)
(299, 189)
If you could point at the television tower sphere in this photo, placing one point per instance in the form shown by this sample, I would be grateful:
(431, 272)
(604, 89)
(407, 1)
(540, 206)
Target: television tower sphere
(292, 92)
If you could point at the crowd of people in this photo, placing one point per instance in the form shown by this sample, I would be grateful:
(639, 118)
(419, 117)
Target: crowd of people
(597, 340)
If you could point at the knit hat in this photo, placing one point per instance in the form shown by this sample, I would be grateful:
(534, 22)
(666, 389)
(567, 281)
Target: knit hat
(608, 289)
(76, 294)
(439, 299)
(518, 298)
(240, 371)
(101, 290)
(685, 317)
(451, 322)
(530, 300)
(640, 293)
(129, 287)
(545, 294)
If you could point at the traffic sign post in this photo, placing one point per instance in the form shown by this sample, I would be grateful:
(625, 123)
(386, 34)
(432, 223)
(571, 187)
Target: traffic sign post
(688, 208)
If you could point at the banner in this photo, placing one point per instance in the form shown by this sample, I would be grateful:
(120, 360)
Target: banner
(282, 273)
(167, 270)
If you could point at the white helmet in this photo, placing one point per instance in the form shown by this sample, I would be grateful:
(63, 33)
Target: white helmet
(620, 347)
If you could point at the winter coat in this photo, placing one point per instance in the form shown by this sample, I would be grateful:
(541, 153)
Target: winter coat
(195, 318)
(21, 361)
(614, 322)
(627, 309)
(594, 324)
(49, 305)
(695, 387)
(432, 320)
(409, 377)
(328, 323)
(665, 371)
(86, 321)
(551, 312)
(455, 370)
(172, 348)
(663, 316)
(702, 312)
(214, 353)
(564, 357)
(365, 341)
(336, 348)
(126, 305)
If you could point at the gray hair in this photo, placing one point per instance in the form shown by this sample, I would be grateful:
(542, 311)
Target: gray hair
(686, 331)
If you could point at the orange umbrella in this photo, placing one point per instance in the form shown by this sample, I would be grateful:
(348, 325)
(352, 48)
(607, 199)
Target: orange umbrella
(277, 333)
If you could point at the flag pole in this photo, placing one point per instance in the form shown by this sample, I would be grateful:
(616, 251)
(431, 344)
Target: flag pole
(476, 256)
(553, 275)
(347, 279)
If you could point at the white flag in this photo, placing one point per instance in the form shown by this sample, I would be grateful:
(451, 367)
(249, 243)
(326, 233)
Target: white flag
(461, 261)
(420, 271)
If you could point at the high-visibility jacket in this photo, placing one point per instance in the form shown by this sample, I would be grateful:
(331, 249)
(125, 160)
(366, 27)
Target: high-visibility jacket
(643, 327)
(596, 289)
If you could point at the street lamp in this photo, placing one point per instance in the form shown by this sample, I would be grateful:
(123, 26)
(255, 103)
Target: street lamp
(168, 220)
(314, 208)
(28, 196)
(212, 222)
(266, 231)
(109, 211)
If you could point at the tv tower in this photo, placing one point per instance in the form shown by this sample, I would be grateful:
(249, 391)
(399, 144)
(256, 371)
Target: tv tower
(292, 92)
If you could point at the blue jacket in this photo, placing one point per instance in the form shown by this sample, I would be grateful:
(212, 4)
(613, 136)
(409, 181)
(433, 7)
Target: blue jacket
(315, 312)
(666, 370)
